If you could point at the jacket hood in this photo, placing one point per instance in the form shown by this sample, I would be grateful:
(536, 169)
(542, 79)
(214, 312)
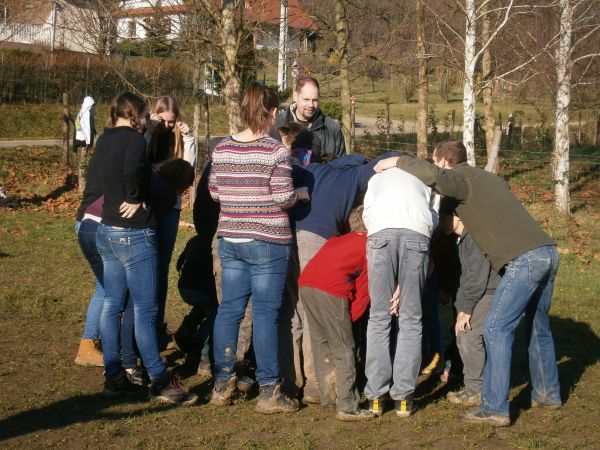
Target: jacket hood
(88, 102)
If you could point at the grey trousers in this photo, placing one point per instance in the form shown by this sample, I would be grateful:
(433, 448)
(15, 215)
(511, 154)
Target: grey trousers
(395, 257)
(333, 348)
(471, 346)
(295, 355)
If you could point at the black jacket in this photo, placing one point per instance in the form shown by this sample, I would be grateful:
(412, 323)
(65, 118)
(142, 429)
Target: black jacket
(326, 132)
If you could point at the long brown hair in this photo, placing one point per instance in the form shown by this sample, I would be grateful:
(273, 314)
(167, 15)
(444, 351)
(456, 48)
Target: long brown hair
(258, 104)
(175, 141)
(127, 106)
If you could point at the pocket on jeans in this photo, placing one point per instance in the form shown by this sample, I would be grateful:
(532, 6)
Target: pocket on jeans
(417, 253)
(539, 269)
(378, 252)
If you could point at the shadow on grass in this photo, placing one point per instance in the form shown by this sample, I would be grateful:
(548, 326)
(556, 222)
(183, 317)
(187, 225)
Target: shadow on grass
(82, 409)
(577, 348)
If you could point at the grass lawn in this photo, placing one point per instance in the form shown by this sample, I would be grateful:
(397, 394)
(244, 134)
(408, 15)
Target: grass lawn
(47, 401)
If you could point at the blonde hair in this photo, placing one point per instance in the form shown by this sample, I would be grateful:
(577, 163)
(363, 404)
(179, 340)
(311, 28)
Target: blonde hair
(164, 104)
(355, 220)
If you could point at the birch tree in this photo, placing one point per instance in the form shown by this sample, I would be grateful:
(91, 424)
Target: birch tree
(579, 28)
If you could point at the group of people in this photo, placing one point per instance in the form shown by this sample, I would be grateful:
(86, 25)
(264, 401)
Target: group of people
(328, 268)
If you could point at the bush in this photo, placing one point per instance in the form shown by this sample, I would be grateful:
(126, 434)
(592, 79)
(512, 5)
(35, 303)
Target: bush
(331, 108)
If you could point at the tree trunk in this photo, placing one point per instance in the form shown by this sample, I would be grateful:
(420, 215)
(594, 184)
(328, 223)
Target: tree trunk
(82, 154)
(423, 88)
(469, 83)
(65, 129)
(232, 83)
(492, 163)
(487, 77)
(560, 157)
(341, 29)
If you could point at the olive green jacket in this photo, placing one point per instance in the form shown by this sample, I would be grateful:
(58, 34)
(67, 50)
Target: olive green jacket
(498, 223)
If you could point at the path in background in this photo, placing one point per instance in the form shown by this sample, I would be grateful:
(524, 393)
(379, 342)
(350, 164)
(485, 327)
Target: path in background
(29, 142)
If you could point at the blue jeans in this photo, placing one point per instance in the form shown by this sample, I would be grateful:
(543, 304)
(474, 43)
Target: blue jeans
(166, 235)
(86, 235)
(526, 287)
(395, 257)
(256, 268)
(130, 262)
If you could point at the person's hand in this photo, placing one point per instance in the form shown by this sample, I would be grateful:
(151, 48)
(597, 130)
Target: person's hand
(463, 322)
(302, 194)
(155, 119)
(127, 210)
(395, 302)
(384, 164)
(183, 127)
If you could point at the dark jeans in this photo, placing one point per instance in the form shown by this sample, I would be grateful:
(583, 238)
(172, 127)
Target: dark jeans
(200, 320)
(166, 235)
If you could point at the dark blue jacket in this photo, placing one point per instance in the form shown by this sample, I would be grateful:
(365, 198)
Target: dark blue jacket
(333, 189)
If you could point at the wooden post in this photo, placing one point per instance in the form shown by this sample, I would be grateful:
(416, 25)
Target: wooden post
(82, 153)
(452, 122)
(596, 126)
(579, 131)
(66, 118)
(388, 122)
(353, 129)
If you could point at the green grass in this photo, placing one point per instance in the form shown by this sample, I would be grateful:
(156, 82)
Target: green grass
(47, 401)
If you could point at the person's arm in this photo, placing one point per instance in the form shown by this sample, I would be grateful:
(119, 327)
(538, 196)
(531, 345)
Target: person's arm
(340, 144)
(447, 182)
(361, 299)
(213, 187)
(282, 187)
(134, 167)
(189, 148)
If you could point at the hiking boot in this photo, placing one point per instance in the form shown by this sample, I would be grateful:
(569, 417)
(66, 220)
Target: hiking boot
(204, 369)
(138, 375)
(545, 404)
(404, 407)
(271, 400)
(168, 389)
(377, 405)
(223, 391)
(478, 416)
(244, 384)
(118, 384)
(465, 397)
(89, 354)
(355, 416)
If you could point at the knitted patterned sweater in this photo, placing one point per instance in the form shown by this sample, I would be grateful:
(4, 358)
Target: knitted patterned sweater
(253, 183)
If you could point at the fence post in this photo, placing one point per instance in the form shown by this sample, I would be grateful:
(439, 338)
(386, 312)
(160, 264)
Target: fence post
(452, 122)
(65, 129)
(596, 126)
(353, 122)
(82, 153)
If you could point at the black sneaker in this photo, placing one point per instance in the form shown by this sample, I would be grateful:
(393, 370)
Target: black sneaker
(138, 375)
(271, 400)
(118, 385)
(377, 405)
(404, 407)
(168, 389)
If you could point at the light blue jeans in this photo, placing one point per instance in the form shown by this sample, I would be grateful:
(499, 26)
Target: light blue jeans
(86, 236)
(130, 262)
(526, 288)
(395, 257)
(256, 268)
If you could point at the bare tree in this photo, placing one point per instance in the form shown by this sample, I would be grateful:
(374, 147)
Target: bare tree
(423, 85)
(579, 26)
(341, 28)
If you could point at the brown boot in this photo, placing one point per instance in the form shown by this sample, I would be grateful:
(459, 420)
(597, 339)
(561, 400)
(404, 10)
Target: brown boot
(89, 354)
(271, 400)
